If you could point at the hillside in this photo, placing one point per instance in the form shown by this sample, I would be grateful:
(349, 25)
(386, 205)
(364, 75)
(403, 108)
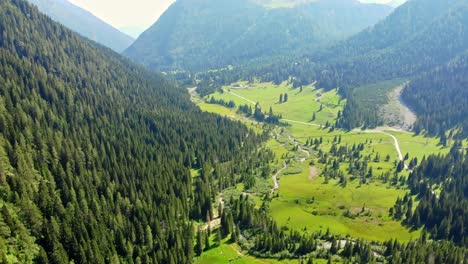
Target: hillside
(437, 36)
(415, 39)
(440, 97)
(84, 23)
(96, 152)
(207, 34)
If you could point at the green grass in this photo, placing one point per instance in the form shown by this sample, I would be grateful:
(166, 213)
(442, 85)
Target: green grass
(419, 146)
(218, 109)
(231, 253)
(294, 207)
(311, 205)
(231, 113)
(300, 105)
(416, 145)
(194, 173)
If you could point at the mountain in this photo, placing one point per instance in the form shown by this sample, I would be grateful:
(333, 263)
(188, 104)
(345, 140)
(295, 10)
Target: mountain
(416, 17)
(417, 38)
(440, 98)
(96, 152)
(428, 39)
(207, 34)
(84, 23)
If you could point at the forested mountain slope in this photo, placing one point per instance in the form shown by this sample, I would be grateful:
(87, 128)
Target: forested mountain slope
(208, 34)
(415, 39)
(436, 45)
(388, 52)
(84, 23)
(96, 152)
(440, 97)
(444, 215)
(402, 25)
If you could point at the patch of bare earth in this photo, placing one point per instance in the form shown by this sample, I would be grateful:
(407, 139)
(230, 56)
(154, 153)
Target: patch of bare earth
(395, 113)
(313, 173)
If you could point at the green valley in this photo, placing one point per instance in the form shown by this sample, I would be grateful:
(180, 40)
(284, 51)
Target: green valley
(246, 131)
(311, 197)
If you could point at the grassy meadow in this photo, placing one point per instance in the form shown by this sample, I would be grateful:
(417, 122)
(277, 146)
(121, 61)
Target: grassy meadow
(305, 201)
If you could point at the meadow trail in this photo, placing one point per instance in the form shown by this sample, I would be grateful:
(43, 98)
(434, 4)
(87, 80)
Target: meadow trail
(376, 131)
(216, 222)
(395, 141)
(295, 142)
(275, 178)
(241, 97)
(300, 122)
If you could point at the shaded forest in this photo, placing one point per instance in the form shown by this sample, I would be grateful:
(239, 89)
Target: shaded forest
(440, 98)
(96, 152)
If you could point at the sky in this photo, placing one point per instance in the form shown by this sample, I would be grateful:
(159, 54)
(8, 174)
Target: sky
(130, 16)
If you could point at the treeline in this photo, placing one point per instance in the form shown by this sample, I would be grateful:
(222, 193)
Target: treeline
(248, 223)
(229, 104)
(96, 152)
(260, 116)
(204, 87)
(358, 165)
(444, 214)
(257, 233)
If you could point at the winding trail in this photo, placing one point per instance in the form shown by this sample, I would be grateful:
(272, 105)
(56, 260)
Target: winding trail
(275, 177)
(302, 123)
(373, 131)
(212, 224)
(395, 141)
(285, 165)
(216, 222)
(299, 146)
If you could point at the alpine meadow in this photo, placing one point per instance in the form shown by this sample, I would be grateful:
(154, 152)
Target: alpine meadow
(234, 131)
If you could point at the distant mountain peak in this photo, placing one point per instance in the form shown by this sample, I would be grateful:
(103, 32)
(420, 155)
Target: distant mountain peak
(84, 23)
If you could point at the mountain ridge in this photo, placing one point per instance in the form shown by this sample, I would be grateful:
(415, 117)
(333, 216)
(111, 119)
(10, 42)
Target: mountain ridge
(203, 34)
(84, 23)
(95, 149)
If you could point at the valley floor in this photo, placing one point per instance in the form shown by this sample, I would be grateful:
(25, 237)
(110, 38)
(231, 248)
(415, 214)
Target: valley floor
(306, 197)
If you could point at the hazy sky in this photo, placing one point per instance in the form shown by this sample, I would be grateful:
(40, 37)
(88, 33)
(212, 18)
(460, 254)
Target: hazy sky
(134, 16)
(126, 13)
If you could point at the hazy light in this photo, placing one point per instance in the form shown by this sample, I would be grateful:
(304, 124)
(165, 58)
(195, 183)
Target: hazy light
(126, 13)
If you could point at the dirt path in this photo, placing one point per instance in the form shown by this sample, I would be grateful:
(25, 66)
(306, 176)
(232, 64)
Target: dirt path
(300, 147)
(241, 97)
(299, 122)
(395, 140)
(216, 222)
(275, 178)
(193, 92)
(313, 172)
(240, 255)
(212, 224)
